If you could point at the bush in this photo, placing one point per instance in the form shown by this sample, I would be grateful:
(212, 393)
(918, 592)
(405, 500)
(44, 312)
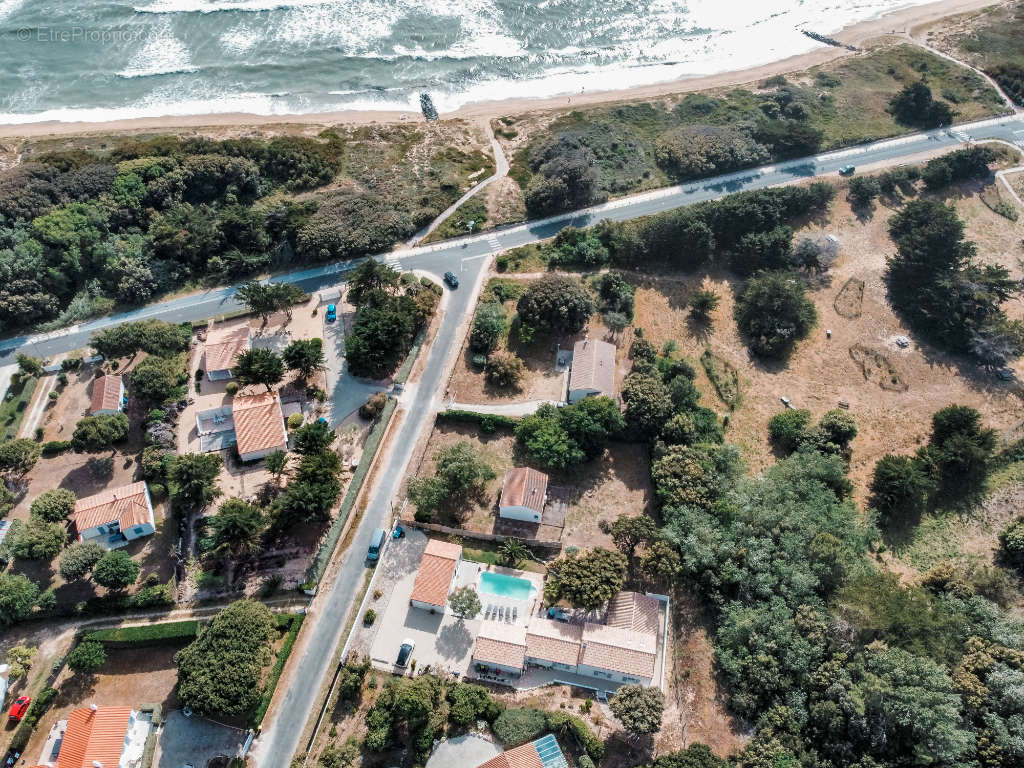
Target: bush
(489, 327)
(152, 634)
(53, 447)
(788, 428)
(518, 726)
(915, 106)
(555, 304)
(116, 570)
(94, 433)
(694, 151)
(295, 421)
(505, 370)
(369, 617)
(232, 388)
(87, 657)
(493, 421)
(373, 406)
(1011, 543)
(78, 559)
(562, 722)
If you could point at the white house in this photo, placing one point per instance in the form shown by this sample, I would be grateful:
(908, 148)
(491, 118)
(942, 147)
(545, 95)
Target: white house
(107, 395)
(616, 654)
(113, 518)
(435, 576)
(223, 346)
(259, 425)
(593, 370)
(502, 647)
(523, 494)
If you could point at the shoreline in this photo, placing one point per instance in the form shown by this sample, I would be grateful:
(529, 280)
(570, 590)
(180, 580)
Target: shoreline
(899, 21)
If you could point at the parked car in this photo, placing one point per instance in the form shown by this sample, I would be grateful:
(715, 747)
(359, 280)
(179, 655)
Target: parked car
(1005, 374)
(376, 544)
(405, 652)
(847, 170)
(19, 708)
(451, 279)
(12, 758)
(332, 313)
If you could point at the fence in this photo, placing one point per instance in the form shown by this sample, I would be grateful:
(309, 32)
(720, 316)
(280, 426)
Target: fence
(551, 547)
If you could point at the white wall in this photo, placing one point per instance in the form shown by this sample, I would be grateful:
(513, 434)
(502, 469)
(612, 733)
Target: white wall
(426, 606)
(612, 676)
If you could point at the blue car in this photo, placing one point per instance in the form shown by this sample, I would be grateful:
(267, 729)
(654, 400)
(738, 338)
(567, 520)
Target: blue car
(332, 313)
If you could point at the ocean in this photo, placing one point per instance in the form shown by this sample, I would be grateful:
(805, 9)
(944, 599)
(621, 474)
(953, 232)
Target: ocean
(107, 60)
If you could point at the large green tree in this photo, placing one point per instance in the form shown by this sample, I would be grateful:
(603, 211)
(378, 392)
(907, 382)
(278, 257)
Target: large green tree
(116, 570)
(54, 506)
(305, 356)
(237, 528)
(258, 366)
(18, 596)
(193, 479)
(774, 313)
(95, 433)
(639, 708)
(587, 580)
(555, 304)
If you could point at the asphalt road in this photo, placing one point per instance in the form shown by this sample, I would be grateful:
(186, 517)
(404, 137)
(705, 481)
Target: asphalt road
(451, 254)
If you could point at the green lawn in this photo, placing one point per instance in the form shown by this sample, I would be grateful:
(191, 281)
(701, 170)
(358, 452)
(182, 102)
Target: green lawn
(15, 404)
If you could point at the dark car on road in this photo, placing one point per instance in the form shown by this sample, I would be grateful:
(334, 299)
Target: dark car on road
(847, 170)
(451, 279)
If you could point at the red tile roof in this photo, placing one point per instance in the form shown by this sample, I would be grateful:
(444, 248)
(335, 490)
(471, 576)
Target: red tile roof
(525, 756)
(259, 423)
(619, 650)
(632, 610)
(524, 487)
(106, 394)
(224, 345)
(435, 574)
(500, 644)
(94, 736)
(553, 641)
(126, 504)
(593, 367)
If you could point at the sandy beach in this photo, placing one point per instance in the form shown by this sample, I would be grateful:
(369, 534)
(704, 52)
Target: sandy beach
(897, 22)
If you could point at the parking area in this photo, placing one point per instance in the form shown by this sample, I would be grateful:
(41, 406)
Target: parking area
(195, 741)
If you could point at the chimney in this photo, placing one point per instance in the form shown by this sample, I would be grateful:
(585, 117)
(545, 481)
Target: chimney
(97, 764)
(93, 707)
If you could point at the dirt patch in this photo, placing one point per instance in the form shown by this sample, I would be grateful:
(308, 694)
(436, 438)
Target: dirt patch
(504, 203)
(850, 299)
(876, 368)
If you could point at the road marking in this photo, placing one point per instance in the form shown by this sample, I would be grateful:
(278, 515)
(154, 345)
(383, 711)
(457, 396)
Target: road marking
(474, 258)
(495, 244)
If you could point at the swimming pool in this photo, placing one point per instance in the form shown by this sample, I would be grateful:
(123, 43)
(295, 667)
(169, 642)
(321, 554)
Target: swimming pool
(506, 586)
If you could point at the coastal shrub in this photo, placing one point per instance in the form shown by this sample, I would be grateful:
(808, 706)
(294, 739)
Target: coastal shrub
(565, 178)
(693, 151)
(518, 726)
(914, 105)
(773, 313)
(555, 303)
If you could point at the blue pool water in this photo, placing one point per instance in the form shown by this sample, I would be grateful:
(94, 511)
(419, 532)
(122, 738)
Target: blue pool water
(506, 586)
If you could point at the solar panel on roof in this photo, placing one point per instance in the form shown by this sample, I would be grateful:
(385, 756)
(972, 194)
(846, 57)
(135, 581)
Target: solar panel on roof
(550, 753)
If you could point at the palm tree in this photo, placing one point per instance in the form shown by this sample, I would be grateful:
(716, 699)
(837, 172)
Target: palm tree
(513, 552)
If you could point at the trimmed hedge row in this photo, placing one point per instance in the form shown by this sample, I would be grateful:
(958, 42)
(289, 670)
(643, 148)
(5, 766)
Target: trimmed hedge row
(294, 622)
(488, 422)
(316, 572)
(153, 634)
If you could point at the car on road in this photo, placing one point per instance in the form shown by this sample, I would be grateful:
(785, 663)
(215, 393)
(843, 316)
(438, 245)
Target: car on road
(19, 708)
(451, 279)
(332, 313)
(847, 170)
(405, 652)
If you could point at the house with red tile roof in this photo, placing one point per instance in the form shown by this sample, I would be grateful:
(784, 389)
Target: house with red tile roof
(542, 753)
(593, 370)
(107, 395)
(111, 737)
(259, 425)
(223, 346)
(435, 576)
(523, 495)
(116, 516)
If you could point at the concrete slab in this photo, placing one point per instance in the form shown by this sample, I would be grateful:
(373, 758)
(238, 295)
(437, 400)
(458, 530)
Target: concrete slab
(195, 740)
(471, 749)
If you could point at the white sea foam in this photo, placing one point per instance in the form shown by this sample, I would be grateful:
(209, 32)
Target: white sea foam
(7, 7)
(162, 54)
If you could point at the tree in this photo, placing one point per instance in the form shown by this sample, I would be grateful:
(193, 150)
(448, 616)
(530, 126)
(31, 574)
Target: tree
(29, 366)
(630, 531)
(19, 456)
(465, 603)
(153, 337)
(193, 479)
(158, 379)
(116, 570)
(773, 312)
(258, 366)
(513, 552)
(237, 528)
(788, 428)
(838, 427)
(381, 333)
(312, 438)
(7, 499)
(694, 756)
(694, 151)
(586, 580)
(639, 708)
(265, 299)
(914, 105)
(546, 440)
(961, 448)
(648, 404)
(87, 657)
(276, 463)
(489, 327)
(702, 303)
(566, 179)
(19, 659)
(863, 190)
(368, 278)
(616, 322)
(504, 370)
(79, 558)
(661, 563)
(37, 539)
(592, 423)
(54, 506)
(305, 356)
(220, 672)
(555, 303)
(18, 596)
(95, 433)
(460, 472)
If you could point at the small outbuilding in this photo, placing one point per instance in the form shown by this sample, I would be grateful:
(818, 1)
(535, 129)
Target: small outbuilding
(593, 370)
(107, 395)
(435, 576)
(523, 495)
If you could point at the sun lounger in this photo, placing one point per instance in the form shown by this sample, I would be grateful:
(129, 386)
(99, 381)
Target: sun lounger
(501, 613)
(515, 613)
